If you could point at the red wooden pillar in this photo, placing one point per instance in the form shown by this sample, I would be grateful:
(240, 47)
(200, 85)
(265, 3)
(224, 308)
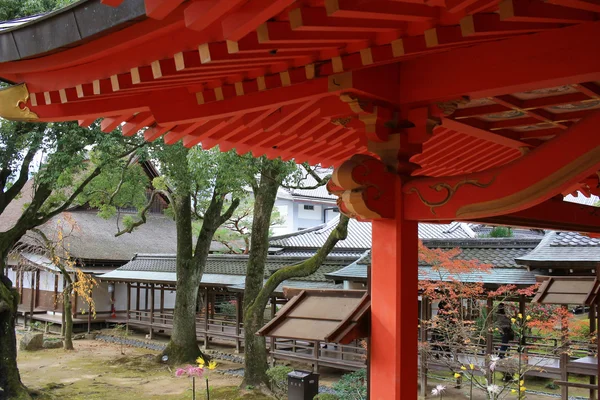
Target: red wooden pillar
(394, 306)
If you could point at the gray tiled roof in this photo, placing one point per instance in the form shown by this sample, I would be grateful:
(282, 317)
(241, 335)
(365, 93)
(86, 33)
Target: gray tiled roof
(359, 235)
(357, 271)
(573, 239)
(231, 264)
(500, 252)
(295, 284)
(564, 250)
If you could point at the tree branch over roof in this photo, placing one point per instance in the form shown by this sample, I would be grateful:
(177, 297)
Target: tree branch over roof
(305, 268)
(321, 181)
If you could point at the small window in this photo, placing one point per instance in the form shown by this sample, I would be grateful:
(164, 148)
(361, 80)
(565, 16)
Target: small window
(336, 210)
(307, 207)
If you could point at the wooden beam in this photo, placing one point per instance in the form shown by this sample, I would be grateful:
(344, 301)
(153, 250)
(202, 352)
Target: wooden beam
(540, 11)
(553, 214)
(508, 66)
(381, 10)
(159, 9)
(250, 16)
(316, 19)
(530, 180)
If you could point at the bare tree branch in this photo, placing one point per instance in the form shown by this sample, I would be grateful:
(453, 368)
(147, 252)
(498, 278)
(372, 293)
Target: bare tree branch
(142, 213)
(306, 267)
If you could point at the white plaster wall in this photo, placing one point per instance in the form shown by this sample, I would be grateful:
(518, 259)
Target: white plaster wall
(28, 279)
(47, 281)
(101, 297)
(12, 275)
(313, 215)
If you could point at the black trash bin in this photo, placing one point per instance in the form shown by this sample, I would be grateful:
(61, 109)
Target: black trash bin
(302, 385)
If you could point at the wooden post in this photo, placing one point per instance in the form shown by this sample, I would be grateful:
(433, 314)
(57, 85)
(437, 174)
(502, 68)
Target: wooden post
(394, 307)
(75, 298)
(55, 292)
(37, 288)
(238, 318)
(137, 300)
(592, 316)
(206, 306)
(425, 304)
(162, 302)
(564, 360)
(128, 307)
(89, 320)
(147, 286)
(489, 335)
(151, 307)
(272, 339)
(316, 357)
(32, 297)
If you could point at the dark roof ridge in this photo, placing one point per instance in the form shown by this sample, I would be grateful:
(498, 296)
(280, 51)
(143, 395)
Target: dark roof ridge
(483, 242)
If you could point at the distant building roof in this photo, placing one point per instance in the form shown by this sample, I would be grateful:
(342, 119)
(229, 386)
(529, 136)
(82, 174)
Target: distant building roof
(221, 266)
(564, 250)
(500, 253)
(359, 235)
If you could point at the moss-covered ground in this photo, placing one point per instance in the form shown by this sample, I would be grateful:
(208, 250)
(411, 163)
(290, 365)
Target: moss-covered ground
(98, 371)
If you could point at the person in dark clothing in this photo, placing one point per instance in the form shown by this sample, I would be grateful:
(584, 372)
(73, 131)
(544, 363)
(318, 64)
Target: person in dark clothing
(504, 325)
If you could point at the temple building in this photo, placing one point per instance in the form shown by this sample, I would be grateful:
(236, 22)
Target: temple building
(478, 111)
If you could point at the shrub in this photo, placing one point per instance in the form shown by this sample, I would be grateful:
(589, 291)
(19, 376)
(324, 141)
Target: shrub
(278, 378)
(326, 396)
(501, 231)
(228, 308)
(352, 386)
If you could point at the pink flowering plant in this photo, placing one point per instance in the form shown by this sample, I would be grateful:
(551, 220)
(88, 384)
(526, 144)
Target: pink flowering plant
(190, 371)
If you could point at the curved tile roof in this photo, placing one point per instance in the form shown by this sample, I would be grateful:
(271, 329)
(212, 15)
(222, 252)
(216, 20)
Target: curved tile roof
(231, 264)
(564, 250)
(359, 235)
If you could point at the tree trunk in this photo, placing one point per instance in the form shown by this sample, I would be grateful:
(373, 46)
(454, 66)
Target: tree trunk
(183, 346)
(68, 318)
(255, 350)
(11, 386)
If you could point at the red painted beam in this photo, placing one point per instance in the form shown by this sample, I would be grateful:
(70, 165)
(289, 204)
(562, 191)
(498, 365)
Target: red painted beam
(281, 32)
(509, 66)
(541, 174)
(316, 19)
(250, 16)
(590, 5)
(554, 214)
(200, 14)
(111, 3)
(159, 9)
(381, 10)
(483, 134)
(136, 123)
(156, 131)
(539, 11)
(491, 24)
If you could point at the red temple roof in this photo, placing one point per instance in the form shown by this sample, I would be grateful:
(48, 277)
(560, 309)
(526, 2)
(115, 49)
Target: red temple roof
(473, 84)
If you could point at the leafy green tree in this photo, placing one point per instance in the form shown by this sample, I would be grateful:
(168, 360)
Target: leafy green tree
(272, 175)
(12, 9)
(204, 188)
(236, 230)
(67, 165)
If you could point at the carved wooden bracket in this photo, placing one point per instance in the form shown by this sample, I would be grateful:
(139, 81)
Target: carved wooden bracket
(365, 188)
(13, 104)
